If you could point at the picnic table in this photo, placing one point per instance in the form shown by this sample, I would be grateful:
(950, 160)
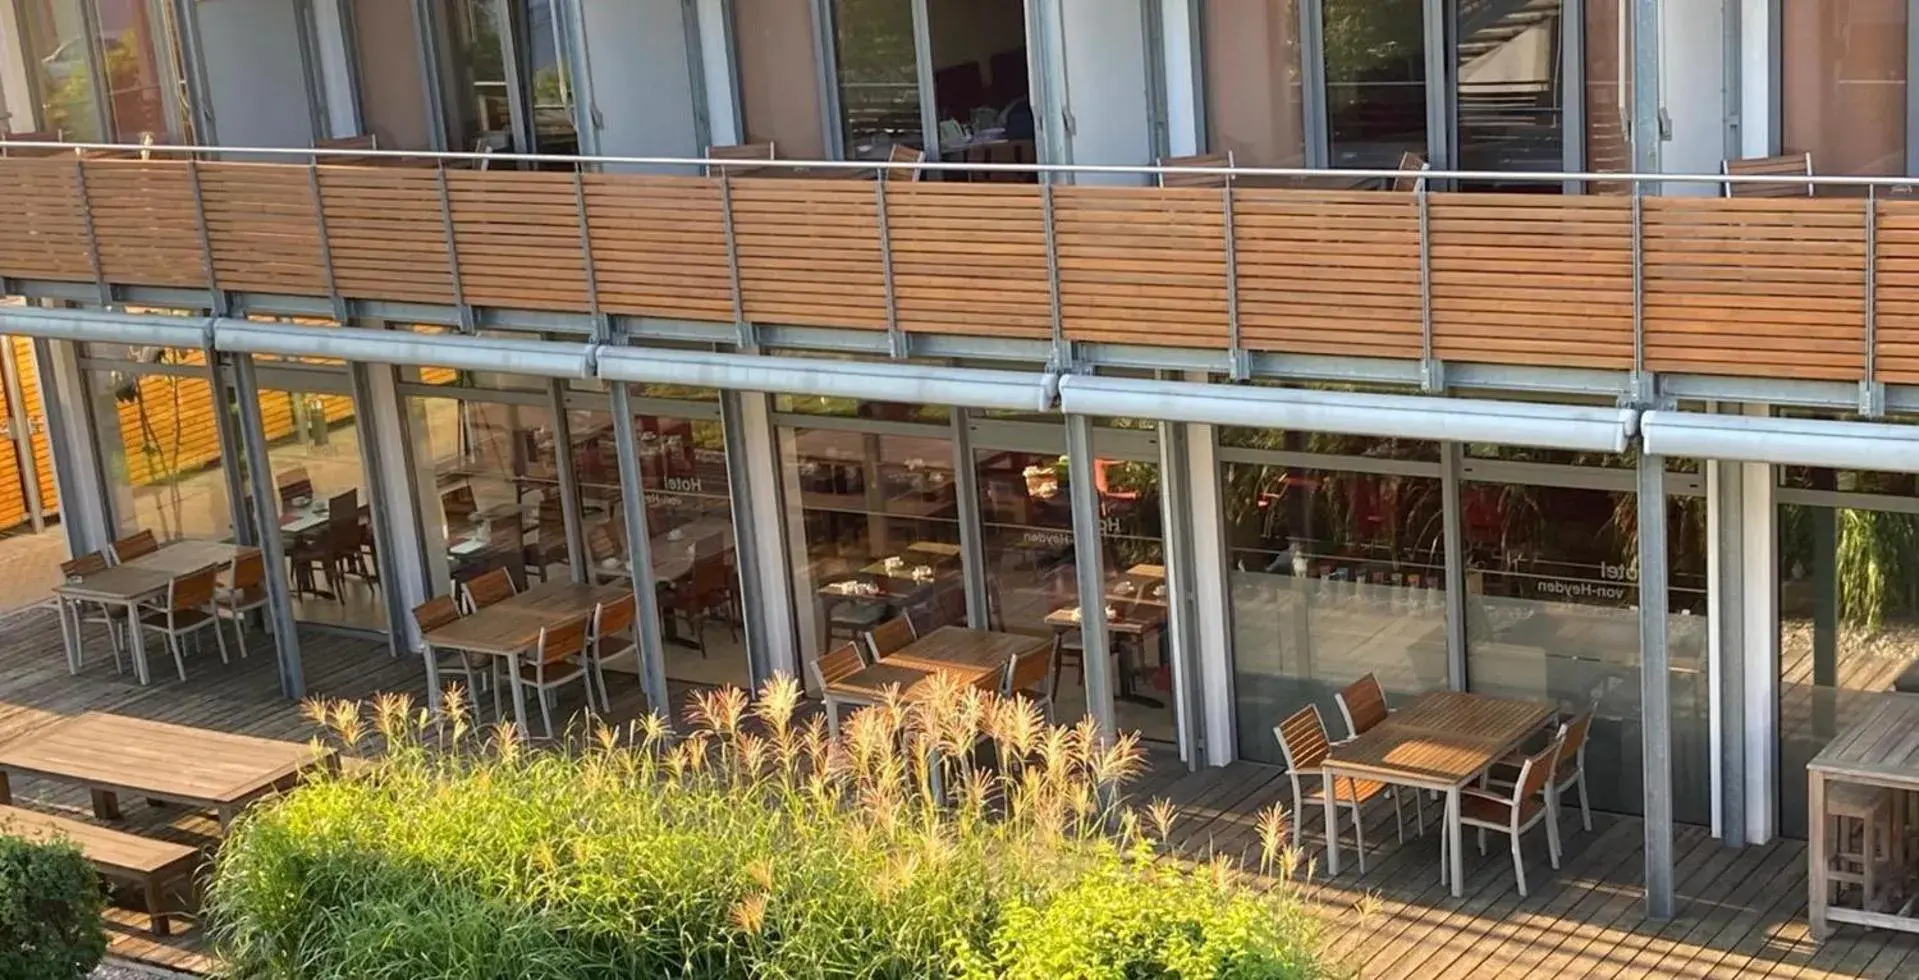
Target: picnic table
(1880, 751)
(132, 582)
(1442, 741)
(511, 627)
(112, 754)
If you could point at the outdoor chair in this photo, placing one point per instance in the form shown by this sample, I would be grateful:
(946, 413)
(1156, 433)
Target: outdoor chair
(433, 614)
(188, 608)
(1303, 743)
(137, 545)
(1531, 800)
(485, 590)
(1784, 165)
(1029, 677)
(739, 151)
(1200, 179)
(1570, 772)
(708, 590)
(555, 661)
(244, 590)
(612, 638)
(1363, 706)
(890, 637)
(830, 668)
(113, 617)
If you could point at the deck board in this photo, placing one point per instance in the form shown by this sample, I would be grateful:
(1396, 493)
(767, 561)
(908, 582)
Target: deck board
(1741, 910)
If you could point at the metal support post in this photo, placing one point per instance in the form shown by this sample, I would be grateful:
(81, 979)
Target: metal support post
(753, 484)
(639, 549)
(1090, 573)
(326, 242)
(895, 339)
(85, 519)
(1062, 352)
(206, 238)
(453, 252)
(266, 510)
(1655, 687)
(1176, 516)
(733, 260)
(1641, 387)
(569, 478)
(1238, 362)
(232, 450)
(1872, 394)
(21, 432)
(1457, 600)
(366, 428)
(587, 265)
(1429, 373)
(93, 234)
(972, 529)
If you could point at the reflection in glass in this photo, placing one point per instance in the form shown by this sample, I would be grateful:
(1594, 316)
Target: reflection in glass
(1848, 626)
(1510, 103)
(56, 53)
(1552, 585)
(1333, 576)
(479, 107)
(1027, 520)
(492, 487)
(874, 528)
(1843, 84)
(550, 77)
(878, 76)
(1375, 80)
(326, 518)
(137, 59)
(160, 448)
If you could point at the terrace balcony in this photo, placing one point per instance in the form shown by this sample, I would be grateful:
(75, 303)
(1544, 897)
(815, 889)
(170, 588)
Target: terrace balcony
(1423, 285)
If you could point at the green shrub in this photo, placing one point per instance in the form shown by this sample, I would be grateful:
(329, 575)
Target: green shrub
(50, 904)
(750, 847)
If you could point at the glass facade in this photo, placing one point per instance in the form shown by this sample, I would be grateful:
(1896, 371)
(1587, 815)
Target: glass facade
(1375, 56)
(159, 446)
(325, 507)
(57, 54)
(1254, 102)
(1843, 84)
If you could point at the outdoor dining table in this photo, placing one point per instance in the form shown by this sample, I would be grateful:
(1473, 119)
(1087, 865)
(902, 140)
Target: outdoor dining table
(512, 626)
(112, 754)
(1879, 750)
(130, 583)
(1131, 620)
(972, 657)
(1442, 741)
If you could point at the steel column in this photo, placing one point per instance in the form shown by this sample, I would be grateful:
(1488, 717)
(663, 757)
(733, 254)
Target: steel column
(366, 428)
(464, 311)
(93, 235)
(733, 258)
(1429, 373)
(1062, 354)
(232, 451)
(266, 510)
(1089, 569)
(1457, 617)
(206, 237)
(895, 339)
(1176, 517)
(1655, 687)
(567, 473)
(972, 529)
(587, 264)
(639, 550)
(1240, 364)
(326, 242)
(753, 485)
(86, 516)
(1872, 395)
(1725, 599)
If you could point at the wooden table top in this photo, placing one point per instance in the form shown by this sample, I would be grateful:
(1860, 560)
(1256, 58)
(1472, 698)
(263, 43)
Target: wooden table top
(958, 648)
(1882, 747)
(1130, 618)
(149, 574)
(873, 683)
(191, 766)
(511, 626)
(1442, 739)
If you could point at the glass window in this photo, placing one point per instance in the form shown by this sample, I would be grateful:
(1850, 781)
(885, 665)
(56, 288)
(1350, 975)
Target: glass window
(1552, 612)
(326, 522)
(1327, 443)
(878, 76)
(1032, 585)
(56, 52)
(551, 81)
(160, 445)
(1508, 100)
(1333, 575)
(873, 526)
(1375, 80)
(1608, 91)
(1253, 96)
(779, 76)
(1843, 84)
(490, 479)
(980, 83)
(479, 108)
(1848, 627)
(138, 58)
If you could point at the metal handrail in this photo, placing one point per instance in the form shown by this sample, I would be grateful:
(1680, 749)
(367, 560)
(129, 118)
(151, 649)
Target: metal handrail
(306, 154)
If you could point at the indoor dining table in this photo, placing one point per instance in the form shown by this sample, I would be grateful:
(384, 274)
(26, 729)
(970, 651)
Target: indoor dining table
(1442, 742)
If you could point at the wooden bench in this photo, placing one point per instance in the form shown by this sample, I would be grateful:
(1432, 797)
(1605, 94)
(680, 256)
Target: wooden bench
(117, 855)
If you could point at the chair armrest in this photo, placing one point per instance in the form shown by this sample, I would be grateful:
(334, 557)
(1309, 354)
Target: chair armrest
(1482, 794)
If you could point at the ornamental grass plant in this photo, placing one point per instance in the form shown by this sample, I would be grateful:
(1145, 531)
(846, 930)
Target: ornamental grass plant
(959, 836)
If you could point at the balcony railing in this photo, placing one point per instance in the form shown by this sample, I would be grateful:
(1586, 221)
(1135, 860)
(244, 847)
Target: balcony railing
(1818, 288)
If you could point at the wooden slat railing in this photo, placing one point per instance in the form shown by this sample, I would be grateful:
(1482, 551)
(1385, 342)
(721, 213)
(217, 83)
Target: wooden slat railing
(1765, 287)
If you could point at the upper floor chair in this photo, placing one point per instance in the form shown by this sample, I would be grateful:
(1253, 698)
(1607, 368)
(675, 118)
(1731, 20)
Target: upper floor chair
(1204, 179)
(740, 151)
(1784, 165)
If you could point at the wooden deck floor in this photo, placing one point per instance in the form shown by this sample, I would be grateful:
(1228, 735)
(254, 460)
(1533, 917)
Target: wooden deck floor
(1742, 910)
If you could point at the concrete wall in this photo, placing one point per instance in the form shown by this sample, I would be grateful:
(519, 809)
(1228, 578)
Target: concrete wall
(255, 72)
(1693, 88)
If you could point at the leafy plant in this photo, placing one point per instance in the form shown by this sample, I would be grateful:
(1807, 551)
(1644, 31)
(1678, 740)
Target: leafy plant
(50, 904)
(752, 845)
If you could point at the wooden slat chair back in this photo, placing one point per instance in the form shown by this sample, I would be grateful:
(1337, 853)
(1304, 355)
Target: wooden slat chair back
(614, 618)
(901, 153)
(91, 563)
(1303, 742)
(1030, 676)
(1304, 745)
(1415, 167)
(612, 636)
(294, 485)
(1571, 772)
(1363, 703)
(740, 151)
(830, 668)
(195, 591)
(189, 606)
(890, 636)
(31, 136)
(1531, 802)
(560, 642)
(133, 546)
(485, 590)
(245, 590)
(1784, 165)
(435, 613)
(1199, 179)
(458, 504)
(558, 658)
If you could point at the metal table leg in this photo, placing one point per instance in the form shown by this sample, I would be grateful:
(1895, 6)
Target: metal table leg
(1331, 805)
(1455, 836)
